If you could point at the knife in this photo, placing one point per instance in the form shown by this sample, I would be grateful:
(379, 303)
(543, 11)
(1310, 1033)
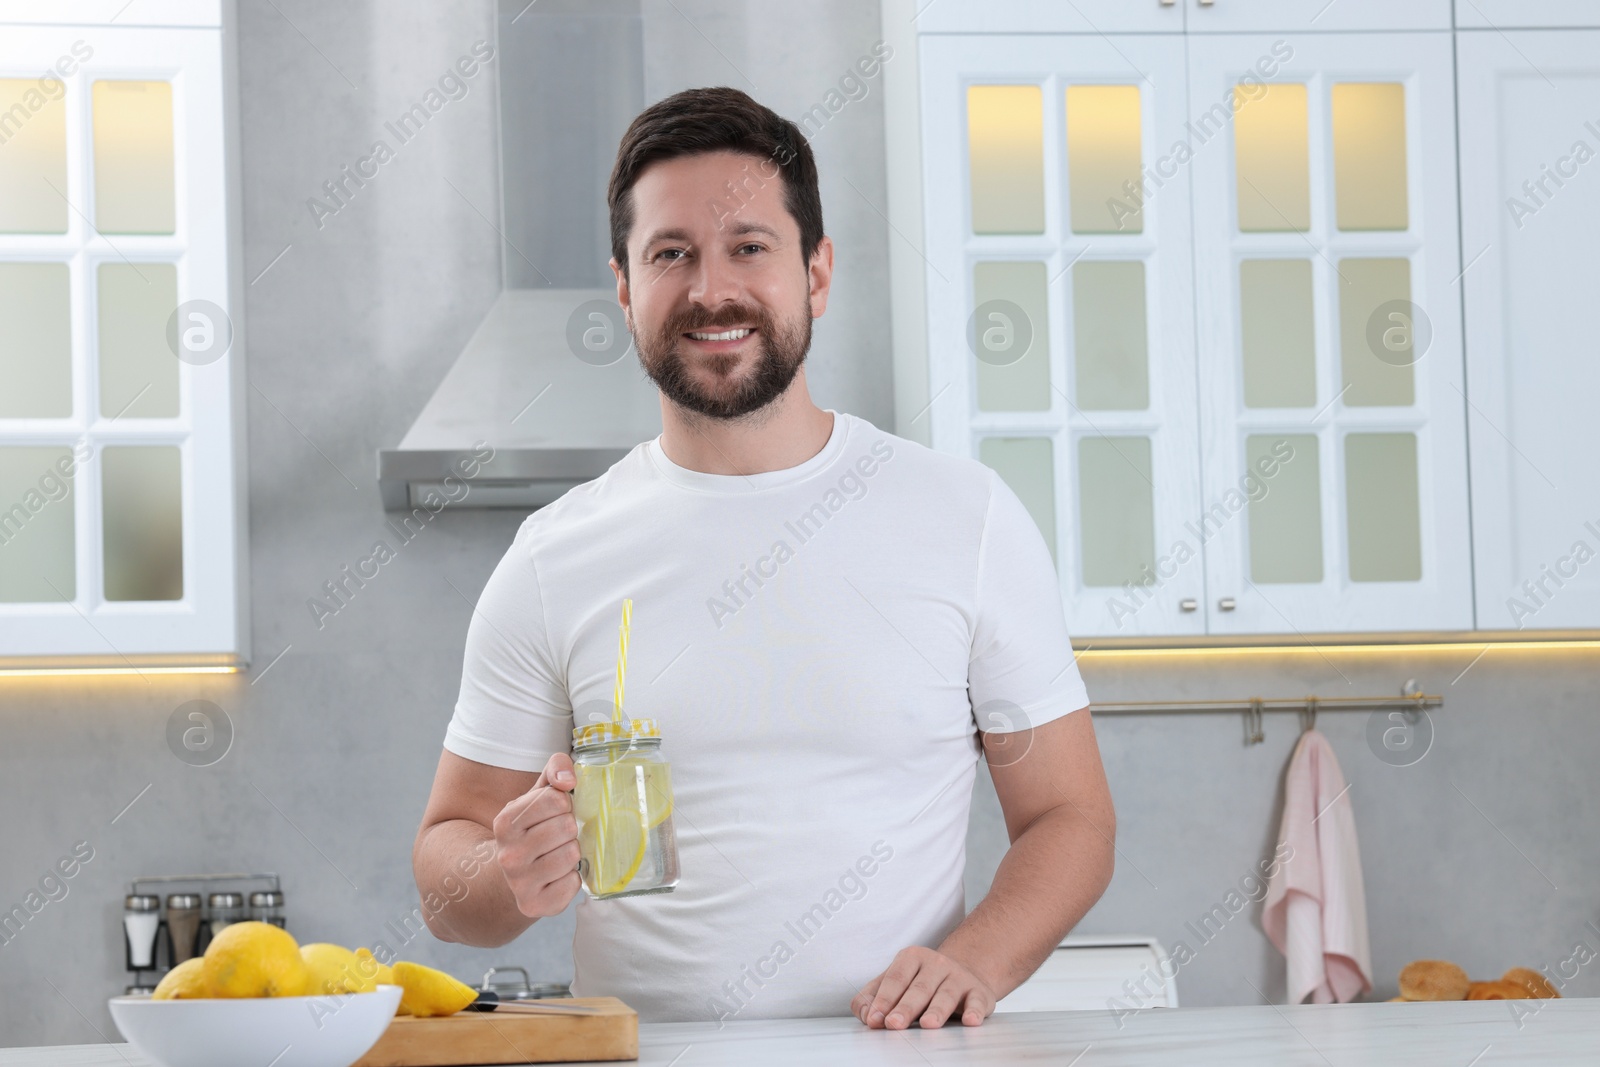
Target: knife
(489, 1000)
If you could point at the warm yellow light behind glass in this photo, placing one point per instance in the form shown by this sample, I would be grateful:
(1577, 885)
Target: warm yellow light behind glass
(1276, 338)
(1103, 156)
(35, 341)
(37, 564)
(1272, 157)
(133, 169)
(1005, 145)
(33, 156)
(138, 370)
(1027, 465)
(1286, 520)
(1365, 285)
(1369, 155)
(141, 494)
(1382, 510)
(1116, 509)
(1023, 385)
(1110, 349)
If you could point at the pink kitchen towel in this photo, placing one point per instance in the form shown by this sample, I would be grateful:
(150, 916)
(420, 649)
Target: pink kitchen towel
(1316, 904)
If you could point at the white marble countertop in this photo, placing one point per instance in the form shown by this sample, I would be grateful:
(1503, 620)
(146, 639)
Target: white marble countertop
(1457, 1034)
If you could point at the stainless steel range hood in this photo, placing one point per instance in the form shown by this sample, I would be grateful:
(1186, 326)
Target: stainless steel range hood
(552, 420)
(555, 411)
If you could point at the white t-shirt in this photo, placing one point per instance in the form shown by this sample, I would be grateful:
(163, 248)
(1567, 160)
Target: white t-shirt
(820, 645)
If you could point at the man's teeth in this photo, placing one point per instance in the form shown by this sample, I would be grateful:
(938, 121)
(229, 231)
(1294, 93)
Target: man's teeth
(727, 335)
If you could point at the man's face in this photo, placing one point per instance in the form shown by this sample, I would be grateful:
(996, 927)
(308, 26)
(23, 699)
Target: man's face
(718, 298)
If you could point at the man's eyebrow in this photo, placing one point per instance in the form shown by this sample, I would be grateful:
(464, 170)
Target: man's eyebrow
(739, 229)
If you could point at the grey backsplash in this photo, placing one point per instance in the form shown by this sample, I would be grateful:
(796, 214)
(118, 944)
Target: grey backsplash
(1485, 852)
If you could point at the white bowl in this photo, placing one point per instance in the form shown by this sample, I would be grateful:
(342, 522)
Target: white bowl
(329, 1031)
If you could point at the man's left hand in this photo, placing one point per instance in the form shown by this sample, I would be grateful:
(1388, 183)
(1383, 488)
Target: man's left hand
(924, 985)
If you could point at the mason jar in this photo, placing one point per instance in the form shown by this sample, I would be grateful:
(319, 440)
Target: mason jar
(622, 801)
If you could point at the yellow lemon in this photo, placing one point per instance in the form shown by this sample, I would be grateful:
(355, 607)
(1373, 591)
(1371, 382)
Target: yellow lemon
(613, 846)
(369, 968)
(255, 959)
(335, 969)
(426, 992)
(186, 981)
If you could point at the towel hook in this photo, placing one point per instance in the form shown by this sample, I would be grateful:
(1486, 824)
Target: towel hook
(1308, 717)
(1253, 734)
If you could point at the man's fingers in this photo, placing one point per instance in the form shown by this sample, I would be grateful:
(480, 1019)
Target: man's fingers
(530, 809)
(901, 973)
(860, 1002)
(944, 1000)
(558, 773)
(979, 1006)
(914, 1001)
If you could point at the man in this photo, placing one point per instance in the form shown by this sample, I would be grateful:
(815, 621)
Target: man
(830, 623)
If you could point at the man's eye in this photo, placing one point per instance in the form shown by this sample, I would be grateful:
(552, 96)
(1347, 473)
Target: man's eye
(669, 252)
(749, 246)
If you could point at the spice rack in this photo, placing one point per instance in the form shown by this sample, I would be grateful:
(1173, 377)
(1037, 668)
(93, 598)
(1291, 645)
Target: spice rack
(184, 922)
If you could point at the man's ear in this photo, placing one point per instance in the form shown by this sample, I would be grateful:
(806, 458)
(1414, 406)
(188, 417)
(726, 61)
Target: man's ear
(622, 282)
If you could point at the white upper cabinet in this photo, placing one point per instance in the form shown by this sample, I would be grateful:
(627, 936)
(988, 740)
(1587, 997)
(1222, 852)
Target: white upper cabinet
(1513, 14)
(1332, 437)
(121, 515)
(1317, 16)
(1060, 303)
(1530, 184)
(1049, 16)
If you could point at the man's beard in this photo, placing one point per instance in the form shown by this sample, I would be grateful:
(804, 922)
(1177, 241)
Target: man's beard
(779, 353)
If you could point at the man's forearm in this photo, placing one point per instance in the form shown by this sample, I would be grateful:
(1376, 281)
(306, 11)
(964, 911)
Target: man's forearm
(465, 897)
(1049, 879)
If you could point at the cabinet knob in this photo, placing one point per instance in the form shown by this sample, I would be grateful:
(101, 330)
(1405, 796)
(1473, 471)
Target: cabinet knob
(1189, 603)
(1225, 604)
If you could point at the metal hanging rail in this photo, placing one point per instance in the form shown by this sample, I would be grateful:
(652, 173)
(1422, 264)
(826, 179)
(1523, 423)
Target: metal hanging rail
(1411, 698)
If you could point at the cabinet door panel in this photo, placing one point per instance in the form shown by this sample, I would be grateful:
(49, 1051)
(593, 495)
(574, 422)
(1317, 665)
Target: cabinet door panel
(1317, 16)
(1332, 437)
(1058, 256)
(1530, 181)
(1525, 14)
(1049, 16)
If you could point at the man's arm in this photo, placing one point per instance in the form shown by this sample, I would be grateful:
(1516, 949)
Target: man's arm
(497, 849)
(1059, 816)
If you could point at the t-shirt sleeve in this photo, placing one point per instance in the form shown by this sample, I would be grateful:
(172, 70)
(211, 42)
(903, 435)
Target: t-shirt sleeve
(1022, 673)
(513, 710)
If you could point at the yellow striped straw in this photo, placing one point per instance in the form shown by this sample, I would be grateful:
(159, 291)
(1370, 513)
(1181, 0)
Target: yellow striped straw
(622, 657)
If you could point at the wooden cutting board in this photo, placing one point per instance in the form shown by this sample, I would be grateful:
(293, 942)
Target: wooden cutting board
(472, 1037)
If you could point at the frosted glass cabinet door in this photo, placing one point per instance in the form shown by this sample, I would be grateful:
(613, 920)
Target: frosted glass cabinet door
(1060, 302)
(1333, 448)
(1526, 14)
(1531, 213)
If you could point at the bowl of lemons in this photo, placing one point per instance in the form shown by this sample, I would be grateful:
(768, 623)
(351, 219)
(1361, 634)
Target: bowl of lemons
(258, 997)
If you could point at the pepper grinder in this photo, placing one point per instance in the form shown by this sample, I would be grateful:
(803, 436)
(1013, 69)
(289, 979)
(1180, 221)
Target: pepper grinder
(183, 926)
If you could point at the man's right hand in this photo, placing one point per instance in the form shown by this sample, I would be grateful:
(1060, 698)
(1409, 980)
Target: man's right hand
(536, 842)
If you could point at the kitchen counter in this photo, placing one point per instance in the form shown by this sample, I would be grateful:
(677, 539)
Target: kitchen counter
(1456, 1034)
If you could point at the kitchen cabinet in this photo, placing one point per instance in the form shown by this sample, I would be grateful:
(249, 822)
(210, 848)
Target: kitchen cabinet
(1321, 16)
(121, 515)
(1530, 188)
(1061, 321)
(1333, 450)
(1524, 14)
(1046, 16)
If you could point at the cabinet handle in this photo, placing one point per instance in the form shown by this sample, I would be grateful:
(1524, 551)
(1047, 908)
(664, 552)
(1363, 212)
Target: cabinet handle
(1226, 603)
(1207, 3)
(1168, 3)
(1189, 603)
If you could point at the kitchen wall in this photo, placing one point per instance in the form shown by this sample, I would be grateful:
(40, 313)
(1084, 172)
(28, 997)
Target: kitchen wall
(1480, 852)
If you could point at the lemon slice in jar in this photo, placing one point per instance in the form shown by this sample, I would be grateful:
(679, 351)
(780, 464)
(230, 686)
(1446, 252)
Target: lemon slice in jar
(614, 843)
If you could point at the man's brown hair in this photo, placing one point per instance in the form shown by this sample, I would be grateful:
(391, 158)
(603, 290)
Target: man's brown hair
(718, 119)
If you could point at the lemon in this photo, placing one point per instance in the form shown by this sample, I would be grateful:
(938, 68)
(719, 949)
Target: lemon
(368, 967)
(186, 981)
(255, 959)
(426, 992)
(335, 969)
(613, 845)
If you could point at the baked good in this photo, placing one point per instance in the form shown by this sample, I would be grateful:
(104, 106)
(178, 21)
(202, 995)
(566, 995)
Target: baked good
(1497, 989)
(1433, 980)
(1537, 985)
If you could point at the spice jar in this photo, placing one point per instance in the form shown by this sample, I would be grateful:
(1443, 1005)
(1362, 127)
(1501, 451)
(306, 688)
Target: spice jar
(266, 905)
(141, 919)
(183, 926)
(622, 801)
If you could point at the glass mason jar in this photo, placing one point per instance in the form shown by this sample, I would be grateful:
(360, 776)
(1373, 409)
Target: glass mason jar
(623, 804)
